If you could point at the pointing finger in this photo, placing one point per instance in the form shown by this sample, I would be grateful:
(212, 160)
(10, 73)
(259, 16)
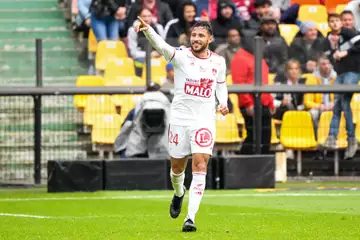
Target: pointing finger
(140, 19)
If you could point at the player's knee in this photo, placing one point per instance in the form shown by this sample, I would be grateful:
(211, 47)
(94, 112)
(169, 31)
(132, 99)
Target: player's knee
(177, 169)
(199, 166)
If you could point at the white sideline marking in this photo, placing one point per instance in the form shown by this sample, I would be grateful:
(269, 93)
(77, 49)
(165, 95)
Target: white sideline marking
(22, 215)
(169, 196)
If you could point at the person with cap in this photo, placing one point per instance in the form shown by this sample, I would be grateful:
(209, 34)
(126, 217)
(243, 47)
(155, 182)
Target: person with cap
(224, 22)
(275, 48)
(307, 46)
(168, 81)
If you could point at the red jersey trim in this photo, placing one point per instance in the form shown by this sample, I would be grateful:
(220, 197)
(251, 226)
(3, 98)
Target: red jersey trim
(221, 82)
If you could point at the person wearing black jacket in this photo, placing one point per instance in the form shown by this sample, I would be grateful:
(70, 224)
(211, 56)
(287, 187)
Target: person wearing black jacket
(107, 18)
(182, 25)
(307, 45)
(343, 48)
(224, 22)
(160, 10)
(289, 101)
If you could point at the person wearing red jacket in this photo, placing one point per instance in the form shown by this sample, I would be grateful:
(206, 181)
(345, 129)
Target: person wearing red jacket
(242, 71)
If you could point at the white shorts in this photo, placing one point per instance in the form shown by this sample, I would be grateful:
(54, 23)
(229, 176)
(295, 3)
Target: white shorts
(186, 140)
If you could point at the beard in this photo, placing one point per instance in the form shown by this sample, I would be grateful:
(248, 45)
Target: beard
(200, 49)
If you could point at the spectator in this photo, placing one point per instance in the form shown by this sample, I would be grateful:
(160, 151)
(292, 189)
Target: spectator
(107, 18)
(224, 22)
(317, 103)
(175, 28)
(83, 18)
(229, 49)
(243, 9)
(344, 49)
(306, 46)
(138, 42)
(283, 5)
(242, 70)
(354, 7)
(160, 10)
(276, 49)
(289, 101)
(347, 20)
(168, 81)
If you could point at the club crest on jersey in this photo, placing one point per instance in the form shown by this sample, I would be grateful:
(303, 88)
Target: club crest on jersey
(214, 71)
(202, 88)
(203, 137)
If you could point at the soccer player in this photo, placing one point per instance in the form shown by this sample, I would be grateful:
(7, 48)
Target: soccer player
(199, 73)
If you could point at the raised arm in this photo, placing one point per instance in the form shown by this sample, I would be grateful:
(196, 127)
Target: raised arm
(156, 41)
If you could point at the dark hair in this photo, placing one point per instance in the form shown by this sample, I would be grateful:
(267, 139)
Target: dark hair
(143, 9)
(333, 15)
(204, 24)
(346, 12)
(261, 3)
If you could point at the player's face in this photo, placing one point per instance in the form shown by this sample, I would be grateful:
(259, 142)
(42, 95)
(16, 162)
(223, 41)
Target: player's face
(335, 24)
(199, 39)
(347, 20)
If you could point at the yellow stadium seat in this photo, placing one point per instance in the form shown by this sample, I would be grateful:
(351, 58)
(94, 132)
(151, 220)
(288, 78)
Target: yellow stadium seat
(98, 104)
(229, 80)
(323, 27)
(106, 128)
(239, 117)
(324, 128)
(226, 129)
(158, 69)
(297, 131)
(274, 138)
(119, 67)
(92, 44)
(340, 8)
(271, 78)
(309, 76)
(315, 13)
(288, 32)
(302, 2)
(126, 102)
(107, 51)
(86, 81)
(126, 81)
(355, 106)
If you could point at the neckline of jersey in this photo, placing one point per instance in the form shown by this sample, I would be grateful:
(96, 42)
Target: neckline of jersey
(209, 55)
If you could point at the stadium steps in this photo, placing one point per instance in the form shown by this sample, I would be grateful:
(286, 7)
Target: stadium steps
(21, 22)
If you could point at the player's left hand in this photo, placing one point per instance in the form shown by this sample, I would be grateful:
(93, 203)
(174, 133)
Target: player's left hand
(223, 109)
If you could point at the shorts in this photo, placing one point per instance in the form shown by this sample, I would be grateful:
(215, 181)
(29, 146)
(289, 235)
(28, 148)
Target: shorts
(186, 140)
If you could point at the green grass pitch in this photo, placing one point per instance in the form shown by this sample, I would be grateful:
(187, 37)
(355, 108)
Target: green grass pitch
(242, 214)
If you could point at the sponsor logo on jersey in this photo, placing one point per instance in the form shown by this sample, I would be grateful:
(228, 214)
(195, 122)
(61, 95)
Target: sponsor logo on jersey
(203, 137)
(202, 88)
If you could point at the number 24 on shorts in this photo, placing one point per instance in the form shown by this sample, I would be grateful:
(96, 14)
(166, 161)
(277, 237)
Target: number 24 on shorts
(173, 138)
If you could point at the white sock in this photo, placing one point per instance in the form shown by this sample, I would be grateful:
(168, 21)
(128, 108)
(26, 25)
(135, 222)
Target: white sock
(177, 181)
(196, 192)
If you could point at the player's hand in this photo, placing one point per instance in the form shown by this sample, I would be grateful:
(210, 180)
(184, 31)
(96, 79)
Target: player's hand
(223, 109)
(141, 25)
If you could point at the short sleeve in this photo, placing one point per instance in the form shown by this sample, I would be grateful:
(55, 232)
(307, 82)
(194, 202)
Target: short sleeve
(221, 78)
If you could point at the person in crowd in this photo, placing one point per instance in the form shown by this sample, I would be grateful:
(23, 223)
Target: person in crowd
(243, 9)
(343, 47)
(168, 81)
(229, 49)
(242, 71)
(354, 7)
(347, 20)
(182, 25)
(160, 10)
(289, 101)
(307, 45)
(275, 49)
(224, 22)
(137, 42)
(107, 18)
(317, 103)
(83, 18)
(264, 8)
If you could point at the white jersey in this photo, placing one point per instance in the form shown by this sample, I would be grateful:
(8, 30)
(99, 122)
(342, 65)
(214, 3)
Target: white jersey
(196, 83)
